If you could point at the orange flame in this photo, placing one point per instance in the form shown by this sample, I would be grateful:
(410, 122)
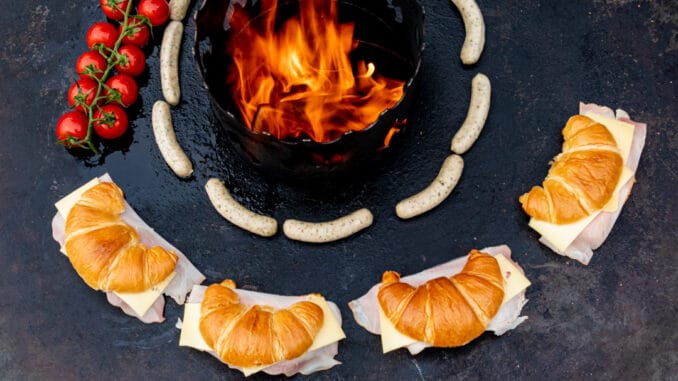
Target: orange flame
(298, 81)
(396, 128)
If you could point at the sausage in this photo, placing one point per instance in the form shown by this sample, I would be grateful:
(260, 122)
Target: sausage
(434, 194)
(169, 62)
(166, 140)
(178, 9)
(322, 232)
(479, 107)
(237, 214)
(475, 31)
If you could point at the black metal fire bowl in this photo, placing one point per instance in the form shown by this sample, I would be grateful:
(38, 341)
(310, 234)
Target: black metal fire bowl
(389, 33)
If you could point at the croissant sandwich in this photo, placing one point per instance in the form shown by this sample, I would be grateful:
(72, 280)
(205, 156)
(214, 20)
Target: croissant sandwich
(254, 332)
(105, 251)
(445, 312)
(445, 306)
(113, 251)
(581, 179)
(588, 183)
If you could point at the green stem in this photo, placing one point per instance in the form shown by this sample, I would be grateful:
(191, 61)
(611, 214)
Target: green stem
(112, 60)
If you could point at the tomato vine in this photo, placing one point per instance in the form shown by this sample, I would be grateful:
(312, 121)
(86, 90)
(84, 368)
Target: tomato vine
(116, 59)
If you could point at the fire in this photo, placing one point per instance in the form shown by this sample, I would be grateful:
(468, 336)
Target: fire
(396, 128)
(298, 81)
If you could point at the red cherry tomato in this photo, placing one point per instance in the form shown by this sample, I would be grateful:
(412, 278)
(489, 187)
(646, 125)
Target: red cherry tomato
(126, 86)
(71, 126)
(84, 87)
(136, 62)
(157, 11)
(102, 33)
(112, 121)
(114, 9)
(91, 58)
(138, 34)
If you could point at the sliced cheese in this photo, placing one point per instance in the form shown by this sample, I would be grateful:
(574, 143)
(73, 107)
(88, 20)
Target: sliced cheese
(331, 330)
(614, 203)
(190, 329)
(329, 333)
(391, 338)
(140, 302)
(621, 131)
(65, 204)
(515, 282)
(623, 135)
(561, 236)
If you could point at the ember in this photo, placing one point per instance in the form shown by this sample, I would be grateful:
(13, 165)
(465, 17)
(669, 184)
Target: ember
(298, 80)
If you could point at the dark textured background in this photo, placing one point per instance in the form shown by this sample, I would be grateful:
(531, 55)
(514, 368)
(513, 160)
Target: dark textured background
(615, 319)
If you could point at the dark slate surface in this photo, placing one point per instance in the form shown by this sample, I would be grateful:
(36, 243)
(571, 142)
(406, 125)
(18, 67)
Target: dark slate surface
(613, 319)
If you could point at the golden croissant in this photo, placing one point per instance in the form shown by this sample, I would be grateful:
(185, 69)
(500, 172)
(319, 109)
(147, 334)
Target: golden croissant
(258, 335)
(445, 312)
(105, 251)
(582, 179)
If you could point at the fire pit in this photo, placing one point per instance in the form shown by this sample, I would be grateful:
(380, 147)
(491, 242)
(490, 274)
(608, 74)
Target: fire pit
(311, 88)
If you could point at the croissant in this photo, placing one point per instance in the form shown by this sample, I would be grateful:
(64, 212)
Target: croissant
(445, 312)
(582, 178)
(247, 336)
(105, 251)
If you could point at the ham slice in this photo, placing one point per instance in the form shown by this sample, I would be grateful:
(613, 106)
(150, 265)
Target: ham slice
(593, 236)
(186, 275)
(366, 308)
(313, 361)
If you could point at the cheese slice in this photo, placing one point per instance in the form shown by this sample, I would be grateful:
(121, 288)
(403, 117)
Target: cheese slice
(623, 135)
(621, 131)
(515, 282)
(391, 338)
(65, 204)
(331, 331)
(140, 302)
(562, 236)
(614, 203)
(190, 329)
(190, 336)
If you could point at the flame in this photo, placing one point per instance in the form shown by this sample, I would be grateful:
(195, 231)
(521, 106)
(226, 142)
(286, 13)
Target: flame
(298, 81)
(395, 129)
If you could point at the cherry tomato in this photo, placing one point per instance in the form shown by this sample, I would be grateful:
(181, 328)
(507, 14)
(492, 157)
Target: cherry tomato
(86, 87)
(113, 121)
(71, 126)
(157, 11)
(136, 62)
(138, 34)
(114, 9)
(126, 87)
(91, 58)
(102, 33)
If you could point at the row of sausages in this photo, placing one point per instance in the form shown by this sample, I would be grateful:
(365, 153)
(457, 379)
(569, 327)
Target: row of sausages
(320, 232)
